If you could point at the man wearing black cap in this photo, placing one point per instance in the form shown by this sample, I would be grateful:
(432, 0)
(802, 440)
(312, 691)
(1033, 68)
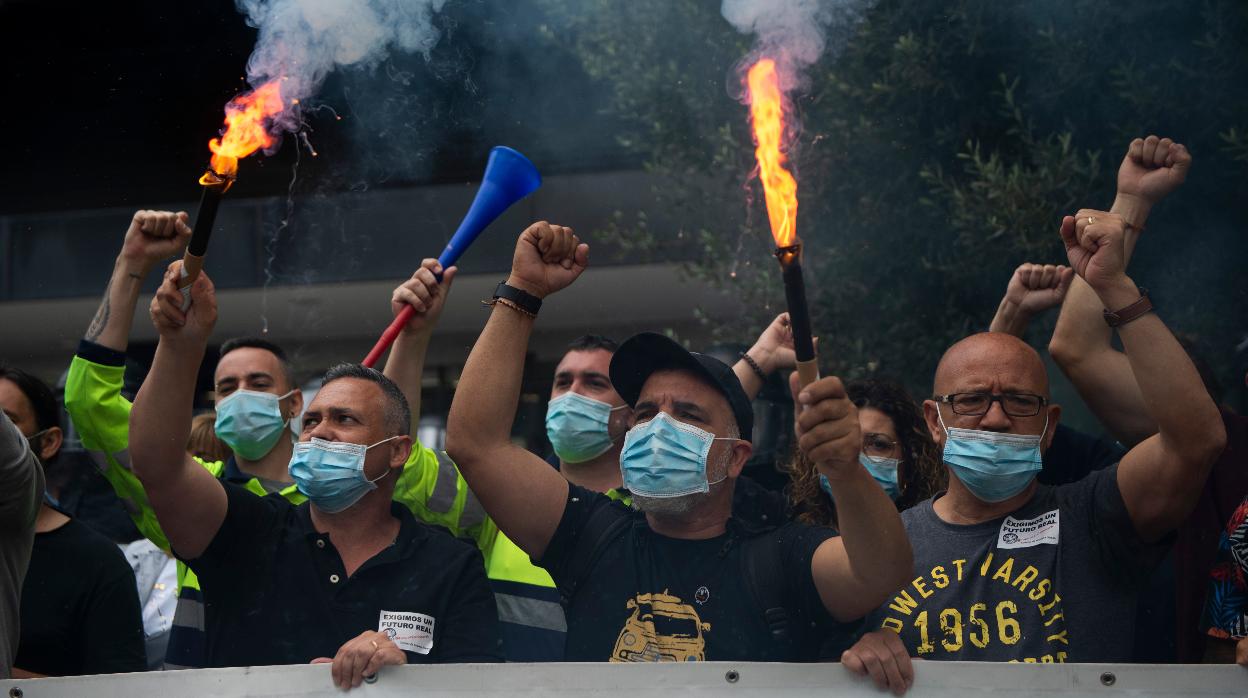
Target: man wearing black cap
(680, 579)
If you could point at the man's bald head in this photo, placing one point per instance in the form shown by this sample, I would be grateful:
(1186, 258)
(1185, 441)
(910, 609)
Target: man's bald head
(988, 361)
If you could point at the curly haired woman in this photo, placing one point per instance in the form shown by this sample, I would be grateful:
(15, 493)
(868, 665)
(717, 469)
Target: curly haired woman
(897, 450)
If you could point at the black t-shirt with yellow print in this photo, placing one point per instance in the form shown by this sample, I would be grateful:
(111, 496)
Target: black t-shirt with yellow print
(648, 597)
(1055, 581)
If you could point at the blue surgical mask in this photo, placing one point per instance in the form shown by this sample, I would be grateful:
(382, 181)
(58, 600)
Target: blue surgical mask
(331, 473)
(577, 427)
(250, 422)
(993, 465)
(666, 458)
(883, 470)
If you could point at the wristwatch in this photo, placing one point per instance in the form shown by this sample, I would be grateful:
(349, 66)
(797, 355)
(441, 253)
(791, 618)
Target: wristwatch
(1118, 318)
(524, 300)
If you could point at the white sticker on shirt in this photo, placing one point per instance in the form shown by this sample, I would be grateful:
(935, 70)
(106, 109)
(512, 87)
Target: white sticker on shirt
(412, 632)
(1041, 530)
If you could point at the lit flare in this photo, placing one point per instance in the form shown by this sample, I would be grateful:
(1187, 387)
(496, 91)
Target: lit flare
(246, 130)
(767, 118)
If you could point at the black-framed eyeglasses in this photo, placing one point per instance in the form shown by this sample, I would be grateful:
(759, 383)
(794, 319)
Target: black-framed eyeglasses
(877, 445)
(976, 404)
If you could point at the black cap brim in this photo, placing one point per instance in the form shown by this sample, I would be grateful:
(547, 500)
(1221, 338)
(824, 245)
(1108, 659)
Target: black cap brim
(643, 354)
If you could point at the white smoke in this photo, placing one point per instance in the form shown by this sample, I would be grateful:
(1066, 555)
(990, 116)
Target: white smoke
(302, 41)
(795, 33)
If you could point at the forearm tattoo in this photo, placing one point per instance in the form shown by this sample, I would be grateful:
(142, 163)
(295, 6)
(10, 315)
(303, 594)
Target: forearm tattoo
(101, 316)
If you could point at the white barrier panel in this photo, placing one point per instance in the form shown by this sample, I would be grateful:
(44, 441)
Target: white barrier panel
(695, 679)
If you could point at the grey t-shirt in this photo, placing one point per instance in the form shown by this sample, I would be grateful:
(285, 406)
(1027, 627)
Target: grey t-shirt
(1055, 581)
(21, 491)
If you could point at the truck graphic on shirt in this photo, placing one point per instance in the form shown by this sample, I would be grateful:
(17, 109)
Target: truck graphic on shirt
(661, 628)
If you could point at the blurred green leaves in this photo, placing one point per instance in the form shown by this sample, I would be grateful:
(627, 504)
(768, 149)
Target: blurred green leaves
(939, 148)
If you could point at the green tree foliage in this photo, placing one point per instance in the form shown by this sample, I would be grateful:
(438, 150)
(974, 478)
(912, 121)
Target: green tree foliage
(940, 145)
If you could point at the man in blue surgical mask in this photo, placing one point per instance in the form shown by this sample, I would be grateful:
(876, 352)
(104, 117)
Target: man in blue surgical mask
(1007, 569)
(585, 418)
(348, 574)
(677, 577)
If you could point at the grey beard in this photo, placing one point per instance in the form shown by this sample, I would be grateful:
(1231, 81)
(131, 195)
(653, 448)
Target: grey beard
(685, 503)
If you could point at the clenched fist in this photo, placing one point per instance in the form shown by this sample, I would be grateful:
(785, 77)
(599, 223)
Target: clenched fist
(153, 236)
(548, 258)
(1035, 288)
(1095, 246)
(1152, 168)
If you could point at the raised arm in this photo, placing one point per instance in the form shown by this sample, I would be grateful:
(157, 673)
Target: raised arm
(524, 495)
(151, 237)
(93, 399)
(189, 502)
(430, 484)
(772, 351)
(857, 571)
(1033, 289)
(1151, 169)
(1161, 476)
(406, 363)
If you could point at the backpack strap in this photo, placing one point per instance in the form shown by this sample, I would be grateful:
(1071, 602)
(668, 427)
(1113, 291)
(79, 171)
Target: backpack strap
(763, 572)
(601, 529)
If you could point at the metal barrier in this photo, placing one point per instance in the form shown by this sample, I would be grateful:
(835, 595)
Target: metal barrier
(701, 679)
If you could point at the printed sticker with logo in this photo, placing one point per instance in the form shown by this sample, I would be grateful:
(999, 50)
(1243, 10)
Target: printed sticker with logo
(1042, 530)
(412, 632)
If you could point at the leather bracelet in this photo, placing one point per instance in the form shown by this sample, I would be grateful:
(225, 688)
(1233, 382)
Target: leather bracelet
(523, 300)
(1141, 306)
(758, 371)
(509, 304)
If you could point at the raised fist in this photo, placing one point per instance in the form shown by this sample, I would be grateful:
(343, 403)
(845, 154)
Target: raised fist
(1095, 247)
(154, 236)
(1035, 288)
(1152, 168)
(548, 258)
(426, 296)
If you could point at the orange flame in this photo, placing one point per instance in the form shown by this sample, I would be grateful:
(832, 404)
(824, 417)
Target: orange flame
(245, 129)
(767, 117)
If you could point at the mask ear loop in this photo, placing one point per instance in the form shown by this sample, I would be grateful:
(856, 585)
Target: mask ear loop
(387, 472)
(279, 406)
(941, 419)
(725, 477)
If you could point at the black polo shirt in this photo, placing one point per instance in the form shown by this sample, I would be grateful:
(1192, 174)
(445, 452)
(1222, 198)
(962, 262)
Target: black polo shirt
(276, 592)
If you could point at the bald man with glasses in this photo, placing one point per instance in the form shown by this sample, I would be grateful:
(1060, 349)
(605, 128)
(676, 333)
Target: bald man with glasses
(1007, 569)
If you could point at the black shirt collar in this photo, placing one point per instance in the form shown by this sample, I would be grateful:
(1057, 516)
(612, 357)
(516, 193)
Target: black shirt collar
(411, 534)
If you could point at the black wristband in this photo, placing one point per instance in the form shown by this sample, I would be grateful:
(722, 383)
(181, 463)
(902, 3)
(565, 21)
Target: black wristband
(526, 301)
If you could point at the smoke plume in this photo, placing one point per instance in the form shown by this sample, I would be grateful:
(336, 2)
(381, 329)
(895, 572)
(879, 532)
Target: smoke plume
(302, 41)
(795, 33)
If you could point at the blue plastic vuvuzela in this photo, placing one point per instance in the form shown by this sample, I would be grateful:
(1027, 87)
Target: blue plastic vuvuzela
(509, 177)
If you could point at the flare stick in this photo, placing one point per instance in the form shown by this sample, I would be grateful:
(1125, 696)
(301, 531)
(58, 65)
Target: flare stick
(214, 185)
(790, 258)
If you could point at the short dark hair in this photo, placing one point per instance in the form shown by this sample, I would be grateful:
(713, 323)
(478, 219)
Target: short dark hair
(230, 345)
(42, 399)
(398, 413)
(590, 342)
